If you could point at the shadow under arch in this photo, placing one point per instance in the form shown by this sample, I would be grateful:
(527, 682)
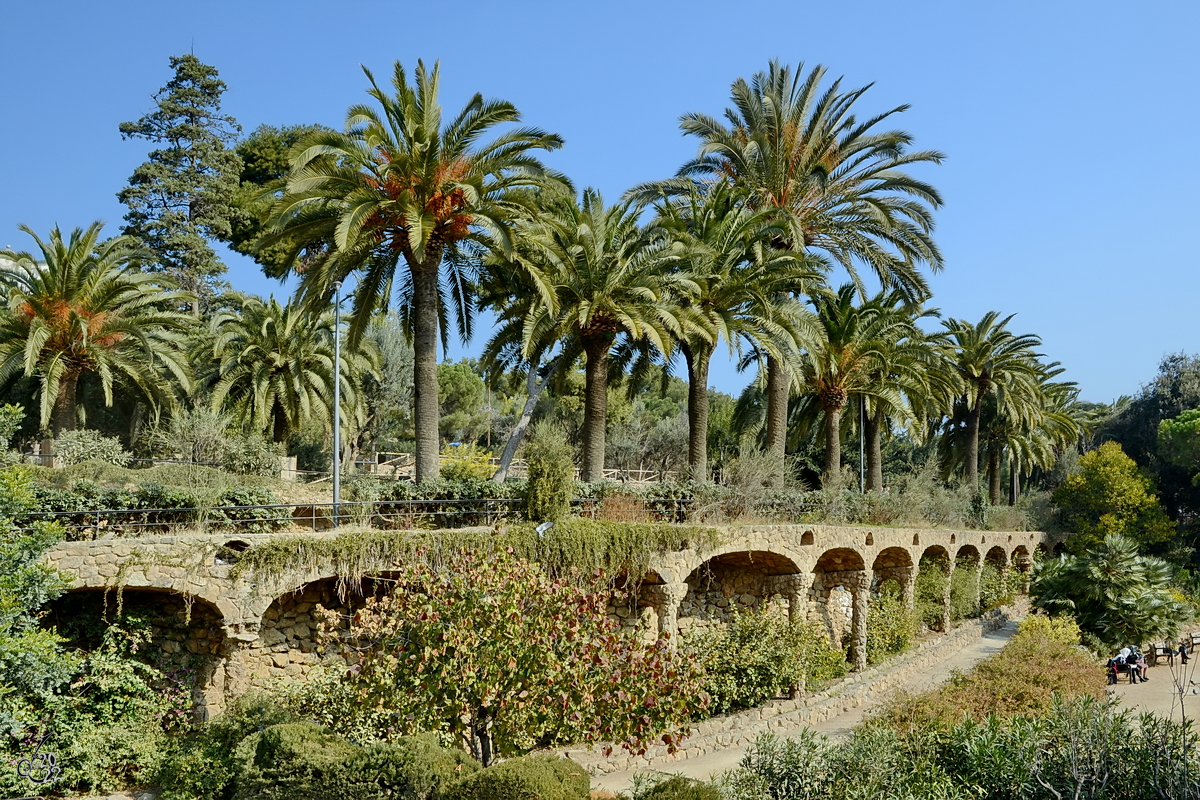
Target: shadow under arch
(728, 583)
(893, 564)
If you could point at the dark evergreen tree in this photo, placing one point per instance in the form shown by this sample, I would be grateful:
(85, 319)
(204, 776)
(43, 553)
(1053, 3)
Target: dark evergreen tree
(181, 197)
(265, 156)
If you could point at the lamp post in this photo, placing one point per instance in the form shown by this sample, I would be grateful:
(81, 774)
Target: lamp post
(337, 403)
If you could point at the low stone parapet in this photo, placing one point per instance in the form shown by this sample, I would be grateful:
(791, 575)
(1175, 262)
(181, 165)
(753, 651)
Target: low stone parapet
(742, 728)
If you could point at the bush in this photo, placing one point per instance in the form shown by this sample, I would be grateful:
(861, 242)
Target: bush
(964, 589)
(76, 447)
(756, 657)
(291, 761)
(998, 589)
(542, 777)
(551, 465)
(929, 592)
(891, 626)
(466, 462)
(680, 788)
(204, 764)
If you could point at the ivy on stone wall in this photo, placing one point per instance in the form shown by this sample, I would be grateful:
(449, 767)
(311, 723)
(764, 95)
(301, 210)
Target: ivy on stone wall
(584, 545)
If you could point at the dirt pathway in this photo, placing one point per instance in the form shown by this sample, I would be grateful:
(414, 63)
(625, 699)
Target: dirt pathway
(706, 766)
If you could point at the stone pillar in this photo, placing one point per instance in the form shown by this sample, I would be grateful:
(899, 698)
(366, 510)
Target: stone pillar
(794, 588)
(665, 598)
(861, 592)
(231, 670)
(908, 589)
(978, 583)
(946, 598)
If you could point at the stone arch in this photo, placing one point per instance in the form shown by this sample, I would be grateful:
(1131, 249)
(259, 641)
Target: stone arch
(185, 631)
(839, 593)
(1020, 557)
(736, 579)
(997, 558)
(894, 564)
(1057, 550)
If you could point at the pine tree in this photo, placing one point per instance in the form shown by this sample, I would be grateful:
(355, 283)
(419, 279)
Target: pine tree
(181, 197)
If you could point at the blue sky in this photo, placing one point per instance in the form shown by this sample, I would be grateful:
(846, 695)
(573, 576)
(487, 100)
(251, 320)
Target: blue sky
(1067, 126)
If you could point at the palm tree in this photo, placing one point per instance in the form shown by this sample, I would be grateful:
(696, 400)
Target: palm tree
(744, 291)
(401, 186)
(86, 308)
(608, 278)
(987, 358)
(275, 367)
(846, 360)
(838, 184)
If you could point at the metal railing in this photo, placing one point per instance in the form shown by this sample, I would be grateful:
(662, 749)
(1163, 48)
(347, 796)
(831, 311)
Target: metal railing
(384, 514)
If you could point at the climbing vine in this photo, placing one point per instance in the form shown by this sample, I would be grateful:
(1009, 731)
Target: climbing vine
(583, 545)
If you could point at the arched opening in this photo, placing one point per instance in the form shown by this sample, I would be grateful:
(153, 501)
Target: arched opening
(806, 538)
(893, 571)
(870, 539)
(178, 634)
(964, 583)
(916, 540)
(731, 582)
(1021, 560)
(930, 600)
(1057, 550)
(837, 577)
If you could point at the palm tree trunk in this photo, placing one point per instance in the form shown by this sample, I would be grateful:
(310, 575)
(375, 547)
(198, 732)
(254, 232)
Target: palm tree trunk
(972, 455)
(994, 474)
(874, 432)
(595, 409)
(425, 380)
(62, 416)
(697, 365)
(833, 446)
(1014, 482)
(777, 409)
(533, 389)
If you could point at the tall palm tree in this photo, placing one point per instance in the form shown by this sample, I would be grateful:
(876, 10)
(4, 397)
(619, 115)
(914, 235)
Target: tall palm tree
(838, 183)
(86, 308)
(986, 358)
(609, 277)
(275, 367)
(847, 359)
(744, 291)
(399, 194)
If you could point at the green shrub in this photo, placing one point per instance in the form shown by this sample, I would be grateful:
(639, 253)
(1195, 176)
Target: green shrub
(964, 591)
(542, 777)
(292, 761)
(996, 588)
(929, 592)
(891, 626)
(466, 462)
(76, 447)
(551, 464)
(204, 764)
(410, 768)
(754, 658)
(681, 788)
(821, 661)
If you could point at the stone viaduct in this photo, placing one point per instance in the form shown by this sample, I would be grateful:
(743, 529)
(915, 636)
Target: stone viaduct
(247, 630)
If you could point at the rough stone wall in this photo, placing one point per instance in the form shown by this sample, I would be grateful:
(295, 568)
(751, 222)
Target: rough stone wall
(266, 632)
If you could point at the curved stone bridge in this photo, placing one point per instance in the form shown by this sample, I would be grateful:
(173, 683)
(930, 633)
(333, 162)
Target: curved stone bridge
(253, 628)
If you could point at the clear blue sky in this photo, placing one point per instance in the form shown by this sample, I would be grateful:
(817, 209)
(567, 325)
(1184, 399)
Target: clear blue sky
(1068, 126)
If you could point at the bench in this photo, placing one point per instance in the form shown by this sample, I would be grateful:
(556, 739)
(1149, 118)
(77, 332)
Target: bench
(1159, 650)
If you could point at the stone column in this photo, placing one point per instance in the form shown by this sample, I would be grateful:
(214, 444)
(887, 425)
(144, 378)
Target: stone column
(230, 670)
(861, 592)
(665, 598)
(946, 598)
(978, 583)
(908, 589)
(794, 588)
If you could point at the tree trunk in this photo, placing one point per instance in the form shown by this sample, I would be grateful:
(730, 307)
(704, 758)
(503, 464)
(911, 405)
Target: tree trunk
(972, 455)
(279, 426)
(425, 380)
(697, 365)
(994, 474)
(874, 426)
(62, 416)
(777, 409)
(833, 446)
(595, 408)
(1014, 482)
(534, 389)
